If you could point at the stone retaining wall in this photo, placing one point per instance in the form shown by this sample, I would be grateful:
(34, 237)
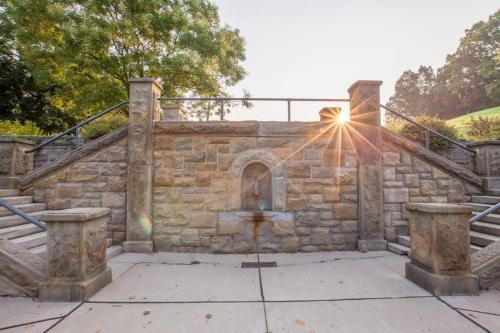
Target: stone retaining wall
(97, 180)
(194, 185)
(51, 152)
(409, 179)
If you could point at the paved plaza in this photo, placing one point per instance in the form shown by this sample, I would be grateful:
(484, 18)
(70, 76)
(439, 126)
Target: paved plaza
(306, 292)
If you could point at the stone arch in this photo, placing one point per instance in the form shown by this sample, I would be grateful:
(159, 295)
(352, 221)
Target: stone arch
(272, 161)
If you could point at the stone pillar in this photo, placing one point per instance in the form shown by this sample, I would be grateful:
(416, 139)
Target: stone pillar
(14, 162)
(76, 254)
(487, 163)
(440, 249)
(173, 112)
(144, 109)
(364, 128)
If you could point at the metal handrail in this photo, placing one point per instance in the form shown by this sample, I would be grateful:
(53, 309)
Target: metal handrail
(76, 128)
(22, 214)
(484, 213)
(255, 99)
(428, 130)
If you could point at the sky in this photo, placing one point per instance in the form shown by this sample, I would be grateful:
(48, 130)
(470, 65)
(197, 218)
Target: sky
(318, 48)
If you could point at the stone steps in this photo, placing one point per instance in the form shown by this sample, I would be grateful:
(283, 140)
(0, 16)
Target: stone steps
(482, 239)
(479, 207)
(491, 218)
(19, 231)
(486, 228)
(485, 199)
(398, 248)
(27, 208)
(32, 240)
(13, 220)
(404, 240)
(9, 193)
(19, 200)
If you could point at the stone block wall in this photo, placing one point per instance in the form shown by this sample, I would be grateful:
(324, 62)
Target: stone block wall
(409, 179)
(96, 180)
(51, 152)
(194, 193)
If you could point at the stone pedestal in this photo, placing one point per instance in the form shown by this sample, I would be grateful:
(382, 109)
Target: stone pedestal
(144, 109)
(76, 254)
(440, 255)
(364, 129)
(14, 162)
(175, 112)
(487, 162)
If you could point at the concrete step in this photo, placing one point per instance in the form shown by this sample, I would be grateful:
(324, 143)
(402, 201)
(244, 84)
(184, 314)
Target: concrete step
(404, 240)
(13, 220)
(486, 228)
(478, 238)
(398, 248)
(19, 231)
(485, 199)
(33, 240)
(478, 207)
(11, 192)
(27, 208)
(20, 200)
(474, 248)
(491, 218)
(493, 192)
(40, 250)
(113, 251)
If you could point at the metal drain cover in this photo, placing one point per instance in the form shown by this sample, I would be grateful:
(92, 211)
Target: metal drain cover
(258, 264)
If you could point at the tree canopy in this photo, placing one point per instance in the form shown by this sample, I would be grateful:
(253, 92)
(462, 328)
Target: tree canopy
(468, 81)
(85, 51)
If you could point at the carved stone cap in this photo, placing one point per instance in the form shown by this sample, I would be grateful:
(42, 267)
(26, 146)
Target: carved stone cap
(365, 83)
(14, 139)
(75, 214)
(438, 208)
(146, 80)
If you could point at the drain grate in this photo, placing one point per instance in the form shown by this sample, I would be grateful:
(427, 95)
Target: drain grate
(258, 264)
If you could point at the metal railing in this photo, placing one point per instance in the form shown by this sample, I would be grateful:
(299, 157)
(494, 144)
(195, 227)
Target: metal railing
(225, 100)
(22, 214)
(484, 213)
(76, 128)
(428, 131)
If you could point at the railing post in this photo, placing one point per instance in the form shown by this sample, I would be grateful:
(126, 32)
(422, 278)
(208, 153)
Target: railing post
(289, 102)
(366, 133)
(77, 137)
(221, 110)
(143, 111)
(427, 140)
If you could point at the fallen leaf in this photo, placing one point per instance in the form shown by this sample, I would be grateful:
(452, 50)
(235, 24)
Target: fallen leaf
(300, 322)
(131, 297)
(208, 316)
(147, 312)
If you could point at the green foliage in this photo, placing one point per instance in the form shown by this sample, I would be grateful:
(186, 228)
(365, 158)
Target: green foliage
(8, 127)
(482, 128)
(468, 81)
(86, 51)
(461, 124)
(417, 134)
(103, 125)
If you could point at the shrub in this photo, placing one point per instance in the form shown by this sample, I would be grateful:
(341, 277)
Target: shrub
(483, 128)
(417, 134)
(103, 125)
(29, 128)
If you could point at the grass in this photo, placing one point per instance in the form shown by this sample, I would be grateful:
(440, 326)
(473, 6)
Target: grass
(460, 123)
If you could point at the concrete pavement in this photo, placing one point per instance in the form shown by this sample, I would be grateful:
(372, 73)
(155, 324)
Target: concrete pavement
(306, 292)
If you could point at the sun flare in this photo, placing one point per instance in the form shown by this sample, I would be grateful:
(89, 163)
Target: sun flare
(343, 117)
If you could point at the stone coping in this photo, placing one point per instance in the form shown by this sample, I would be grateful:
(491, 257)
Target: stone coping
(15, 139)
(157, 82)
(80, 214)
(438, 208)
(364, 82)
(484, 143)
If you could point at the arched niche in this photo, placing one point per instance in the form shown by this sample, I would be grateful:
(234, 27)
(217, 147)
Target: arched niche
(275, 168)
(257, 187)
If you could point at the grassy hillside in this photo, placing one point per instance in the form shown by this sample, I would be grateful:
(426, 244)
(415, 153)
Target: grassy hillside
(460, 123)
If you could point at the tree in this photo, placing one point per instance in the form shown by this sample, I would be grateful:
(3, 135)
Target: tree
(414, 92)
(21, 99)
(87, 50)
(468, 81)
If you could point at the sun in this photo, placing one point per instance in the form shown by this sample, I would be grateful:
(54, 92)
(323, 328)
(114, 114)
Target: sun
(343, 117)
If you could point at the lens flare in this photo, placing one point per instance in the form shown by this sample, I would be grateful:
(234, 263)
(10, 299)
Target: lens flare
(146, 224)
(343, 117)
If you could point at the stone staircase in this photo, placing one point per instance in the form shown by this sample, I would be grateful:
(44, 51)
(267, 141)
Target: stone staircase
(482, 233)
(19, 231)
